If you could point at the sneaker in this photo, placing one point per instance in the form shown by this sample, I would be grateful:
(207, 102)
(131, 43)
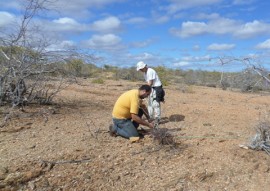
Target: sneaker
(112, 133)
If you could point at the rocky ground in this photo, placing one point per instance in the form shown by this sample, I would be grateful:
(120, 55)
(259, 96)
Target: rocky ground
(66, 146)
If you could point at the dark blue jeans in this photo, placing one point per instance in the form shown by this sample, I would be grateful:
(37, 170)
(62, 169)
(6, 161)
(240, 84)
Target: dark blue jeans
(125, 127)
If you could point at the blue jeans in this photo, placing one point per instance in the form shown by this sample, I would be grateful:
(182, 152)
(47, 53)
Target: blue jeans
(125, 127)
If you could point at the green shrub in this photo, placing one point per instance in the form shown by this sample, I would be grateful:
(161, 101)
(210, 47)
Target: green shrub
(98, 81)
(163, 74)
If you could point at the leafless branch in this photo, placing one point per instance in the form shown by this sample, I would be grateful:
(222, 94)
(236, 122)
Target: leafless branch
(28, 69)
(252, 67)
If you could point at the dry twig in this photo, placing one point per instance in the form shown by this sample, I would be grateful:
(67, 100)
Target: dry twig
(66, 161)
(261, 141)
(163, 136)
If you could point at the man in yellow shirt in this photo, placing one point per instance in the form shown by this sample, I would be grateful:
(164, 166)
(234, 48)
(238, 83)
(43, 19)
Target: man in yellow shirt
(127, 112)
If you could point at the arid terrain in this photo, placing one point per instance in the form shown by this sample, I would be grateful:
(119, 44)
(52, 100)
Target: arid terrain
(66, 146)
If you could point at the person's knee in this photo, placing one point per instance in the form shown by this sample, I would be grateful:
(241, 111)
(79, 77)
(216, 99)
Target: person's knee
(114, 127)
(134, 134)
(127, 131)
(127, 135)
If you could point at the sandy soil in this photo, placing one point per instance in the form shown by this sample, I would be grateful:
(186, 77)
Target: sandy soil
(67, 146)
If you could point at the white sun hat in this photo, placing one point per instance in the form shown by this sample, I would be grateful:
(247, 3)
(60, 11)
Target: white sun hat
(140, 65)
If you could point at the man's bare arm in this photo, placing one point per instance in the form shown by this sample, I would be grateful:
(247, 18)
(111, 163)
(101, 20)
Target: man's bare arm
(145, 111)
(141, 121)
(150, 82)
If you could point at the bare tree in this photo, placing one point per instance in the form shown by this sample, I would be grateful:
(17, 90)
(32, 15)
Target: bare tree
(256, 67)
(29, 72)
(253, 75)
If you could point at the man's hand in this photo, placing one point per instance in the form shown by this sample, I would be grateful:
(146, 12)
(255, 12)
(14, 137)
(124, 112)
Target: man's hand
(136, 118)
(151, 125)
(150, 120)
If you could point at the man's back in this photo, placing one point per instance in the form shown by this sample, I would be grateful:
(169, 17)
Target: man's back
(126, 104)
(151, 74)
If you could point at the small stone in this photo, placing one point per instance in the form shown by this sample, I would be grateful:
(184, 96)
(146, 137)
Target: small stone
(243, 146)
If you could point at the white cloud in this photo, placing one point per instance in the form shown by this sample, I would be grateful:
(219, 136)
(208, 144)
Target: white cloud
(141, 44)
(145, 57)
(65, 20)
(78, 8)
(253, 56)
(195, 58)
(136, 20)
(220, 46)
(177, 5)
(191, 61)
(252, 29)
(190, 28)
(84, 18)
(196, 47)
(216, 25)
(65, 24)
(208, 16)
(242, 2)
(107, 41)
(6, 18)
(151, 59)
(181, 63)
(264, 45)
(13, 4)
(220, 26)
(81, 4)
(61, 46)
(162, 19)
(108, 24)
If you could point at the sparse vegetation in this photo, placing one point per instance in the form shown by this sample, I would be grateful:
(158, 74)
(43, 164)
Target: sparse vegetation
(163, 137)
(98, 81)
(261, 141)
(71, 141)
(28, 67)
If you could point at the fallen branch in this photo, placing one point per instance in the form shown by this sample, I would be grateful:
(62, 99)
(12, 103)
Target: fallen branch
(66, 161)
(261, 141)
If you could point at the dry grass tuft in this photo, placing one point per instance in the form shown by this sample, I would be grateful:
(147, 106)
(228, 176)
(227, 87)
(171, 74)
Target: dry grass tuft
(163, 137)
(261, 141)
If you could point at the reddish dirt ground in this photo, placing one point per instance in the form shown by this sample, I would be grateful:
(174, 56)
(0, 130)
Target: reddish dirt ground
(66, 146)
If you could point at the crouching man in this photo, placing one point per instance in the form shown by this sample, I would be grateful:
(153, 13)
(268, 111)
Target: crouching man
(127, 112)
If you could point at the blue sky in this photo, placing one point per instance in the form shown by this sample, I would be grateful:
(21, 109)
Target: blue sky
(176, 34)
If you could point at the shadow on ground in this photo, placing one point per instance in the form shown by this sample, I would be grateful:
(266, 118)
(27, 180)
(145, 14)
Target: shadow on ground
(176, 118)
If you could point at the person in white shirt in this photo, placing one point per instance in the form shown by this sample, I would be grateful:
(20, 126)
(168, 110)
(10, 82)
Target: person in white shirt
(158, 93)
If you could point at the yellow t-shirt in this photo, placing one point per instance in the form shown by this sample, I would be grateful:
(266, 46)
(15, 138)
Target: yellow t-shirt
(126, 104)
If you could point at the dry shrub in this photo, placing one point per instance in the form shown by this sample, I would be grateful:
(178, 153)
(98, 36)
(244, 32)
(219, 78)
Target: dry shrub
(163, 136)
(261, 141)
(188, 89)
